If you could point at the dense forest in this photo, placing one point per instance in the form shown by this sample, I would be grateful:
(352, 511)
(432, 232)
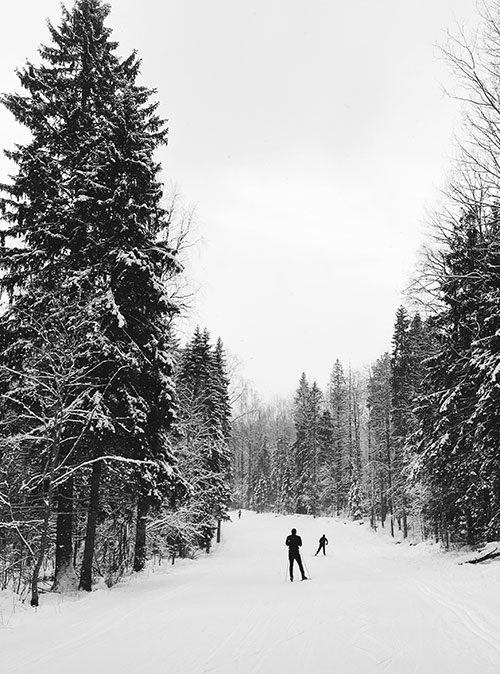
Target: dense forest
(413, 442)
(119, 444)
(113, 439)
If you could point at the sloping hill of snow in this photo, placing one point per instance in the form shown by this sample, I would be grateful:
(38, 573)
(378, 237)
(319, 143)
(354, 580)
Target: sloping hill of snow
(371, 606)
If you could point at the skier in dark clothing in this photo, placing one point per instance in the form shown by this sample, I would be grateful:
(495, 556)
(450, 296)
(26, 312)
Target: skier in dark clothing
(323, 541)
(294, 542)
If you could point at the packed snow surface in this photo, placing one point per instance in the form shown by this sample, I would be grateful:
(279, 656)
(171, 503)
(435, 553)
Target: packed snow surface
(371, 606)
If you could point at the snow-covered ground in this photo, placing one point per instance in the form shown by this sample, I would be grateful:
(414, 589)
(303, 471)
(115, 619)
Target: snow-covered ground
(371, 606)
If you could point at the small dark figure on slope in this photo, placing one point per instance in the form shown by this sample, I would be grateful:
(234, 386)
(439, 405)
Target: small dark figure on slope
(294, 542)
(323, 542)
(239, 514)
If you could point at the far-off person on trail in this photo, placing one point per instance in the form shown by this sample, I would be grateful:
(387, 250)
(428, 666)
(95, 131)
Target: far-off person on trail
(294, 542)
(323, 541)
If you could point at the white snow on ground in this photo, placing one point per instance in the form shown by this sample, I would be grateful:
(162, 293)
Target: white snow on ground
(371, 606)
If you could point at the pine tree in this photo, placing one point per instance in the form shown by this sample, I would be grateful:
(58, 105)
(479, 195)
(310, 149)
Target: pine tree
(282, 474)
(307, 418)
(221, 391)
(85, 205)
(339, 408)
(355, 499)
(458, 422)
(326, 471)
(458, 416)
(205, 420)
(403, 400)
(302, 455)
(261, 477)
(401, 375)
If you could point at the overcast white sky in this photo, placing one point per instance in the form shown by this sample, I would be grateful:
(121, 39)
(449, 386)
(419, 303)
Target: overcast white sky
(312, 136)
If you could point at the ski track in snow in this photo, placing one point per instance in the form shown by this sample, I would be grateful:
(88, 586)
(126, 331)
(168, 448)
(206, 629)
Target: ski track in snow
(471, 621)
(372, 607)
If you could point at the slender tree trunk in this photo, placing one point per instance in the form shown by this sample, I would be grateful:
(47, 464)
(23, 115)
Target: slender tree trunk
(389, 473)
(64, 571)
(43, 547)
(470, 527)
(140, 550)
(218, 530)
(88, 551)
(383, 504)
(48, 504)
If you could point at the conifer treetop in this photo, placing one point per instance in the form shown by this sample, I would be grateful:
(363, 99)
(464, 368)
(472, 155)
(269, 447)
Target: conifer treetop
(87, 184)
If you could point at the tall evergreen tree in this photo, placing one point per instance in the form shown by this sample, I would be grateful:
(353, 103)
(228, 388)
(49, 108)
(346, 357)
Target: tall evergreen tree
(85, 206)
(339, 409)
(307, 419)
(205, 412)
(327, 482)
(302, 455)
(403, 400)
(458, 417)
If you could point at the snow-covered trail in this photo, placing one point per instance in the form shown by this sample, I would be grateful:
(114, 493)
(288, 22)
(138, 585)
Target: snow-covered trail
(371, 606)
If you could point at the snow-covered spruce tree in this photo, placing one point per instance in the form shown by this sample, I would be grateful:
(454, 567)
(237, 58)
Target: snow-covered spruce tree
(302, 451)
(315, 415)
(261, 495)
(307, 419)
(222, 404)
(85, 208)
(410, 349)
(355, 397)
(354, 499)
(203, 448)
(402, 405)
(282, 473)
(459, 424)
(459, 420)
(261, 477)
(327, 474)
(338, 400)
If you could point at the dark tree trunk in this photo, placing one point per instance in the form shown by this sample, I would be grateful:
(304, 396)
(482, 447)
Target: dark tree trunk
(470, 528)
(140, 550)
(218, 530)
(436, 530)
(383, 504)
(64, 535)
(88, 551)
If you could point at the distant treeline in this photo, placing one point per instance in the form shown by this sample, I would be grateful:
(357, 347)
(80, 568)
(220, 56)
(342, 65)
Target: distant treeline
(420, 434)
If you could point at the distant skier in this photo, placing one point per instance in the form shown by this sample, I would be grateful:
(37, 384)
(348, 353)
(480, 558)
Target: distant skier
(294, 542)
(323, 541)
(239, 514)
